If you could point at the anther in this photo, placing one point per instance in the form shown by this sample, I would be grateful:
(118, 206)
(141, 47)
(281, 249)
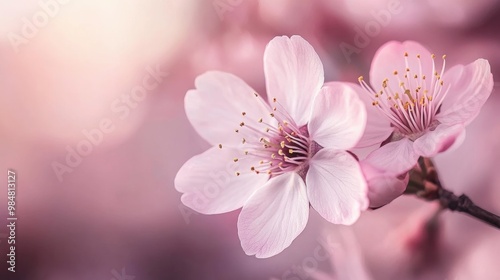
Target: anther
(238, 173)
(235, 159)
(406, 54)
(243, 113)
(220, 146)
(242, 123)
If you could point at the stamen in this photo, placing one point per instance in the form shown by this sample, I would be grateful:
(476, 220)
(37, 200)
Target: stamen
(414, 110)
(268, 143)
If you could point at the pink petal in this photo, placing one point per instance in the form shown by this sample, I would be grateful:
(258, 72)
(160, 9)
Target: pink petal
(338, 117)
(336, 187)
(395, 157)
(294, 75)
(438, 140)
(274, 216)
(470, 87)
(215, 107)
(383, 187)
(209, 183)
(378, 126)
(390, 57)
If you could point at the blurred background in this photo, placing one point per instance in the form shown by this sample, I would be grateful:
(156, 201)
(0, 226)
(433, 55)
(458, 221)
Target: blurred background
(92, 121)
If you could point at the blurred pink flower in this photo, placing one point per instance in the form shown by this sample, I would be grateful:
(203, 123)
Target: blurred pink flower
(421, 111)
(265, 154)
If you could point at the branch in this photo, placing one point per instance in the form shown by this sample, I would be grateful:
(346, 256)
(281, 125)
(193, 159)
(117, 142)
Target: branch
(464, 204)
(424, 183)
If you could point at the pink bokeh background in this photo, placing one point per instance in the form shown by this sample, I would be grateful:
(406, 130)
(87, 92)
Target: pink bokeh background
(116, 207)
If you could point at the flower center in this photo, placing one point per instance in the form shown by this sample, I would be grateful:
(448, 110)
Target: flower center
(413, 104)
(280, 146)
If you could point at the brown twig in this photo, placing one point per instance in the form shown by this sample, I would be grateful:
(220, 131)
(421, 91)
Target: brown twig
(464, 204)
(424, 183)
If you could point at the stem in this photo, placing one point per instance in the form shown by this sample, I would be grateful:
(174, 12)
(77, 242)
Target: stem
(424, 183)
(464, 204)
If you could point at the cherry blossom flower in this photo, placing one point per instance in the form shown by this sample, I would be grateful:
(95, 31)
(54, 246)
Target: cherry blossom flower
(275, 159)
(416, 108)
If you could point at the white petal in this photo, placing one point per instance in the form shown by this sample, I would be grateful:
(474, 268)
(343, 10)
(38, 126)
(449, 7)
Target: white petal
(470, 87)
(338, 118)
(215, 108)
(378, 126)
(209, 183)
(391, 57)
(336, 187)
(294, 75)
(274, 216)
(438, 140)
(394, 158)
